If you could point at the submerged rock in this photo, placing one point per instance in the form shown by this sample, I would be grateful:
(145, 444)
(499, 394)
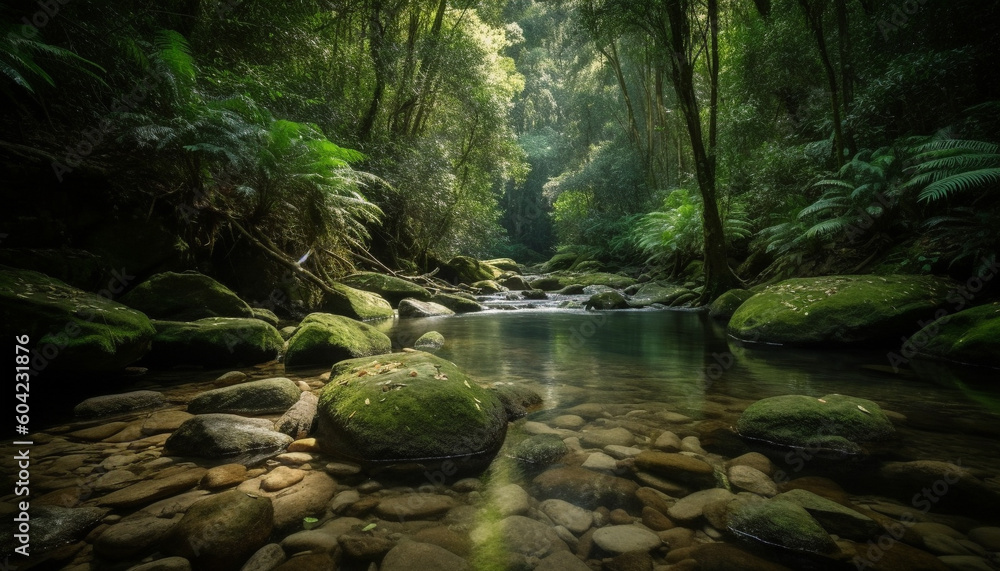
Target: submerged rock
(265, 396)
(355, 303)
(188, 296)
(586, 488)
(971, 337)
(607, 300)
(226, 435)
(109, 405)
(655, 292)
(55, 526)
(540, 449)
(71, 330)
(222, 531)
(430, 342)
(516, 399)
(324, 339)
(406, 408)
(781, 523)
(214, 342)
(726, 304)
(835, 518)
(834, 423)
(459, 303)
(391, 288)
(417, 308)
(839, 310)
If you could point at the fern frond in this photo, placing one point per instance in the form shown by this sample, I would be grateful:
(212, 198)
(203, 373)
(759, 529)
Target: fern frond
(959, 183)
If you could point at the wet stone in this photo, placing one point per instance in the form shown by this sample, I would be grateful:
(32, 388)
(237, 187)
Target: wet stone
(573, 518)
(599, 438)
(414, 506)
(510, 500)
(625, 538)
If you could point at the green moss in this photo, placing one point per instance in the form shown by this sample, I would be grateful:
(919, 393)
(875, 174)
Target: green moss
(504, 264)
(323, 339)
(607, 300)
(407, 407)
(391, 288)
(971, 336)
(185, 297)
(355, 303)
(265, 315)
(562, 261)
(430, 342)
(655, 292)
(470, 270)
(781, 523)
(71, 329)
(839, 310)
(488, 286)
(834, 422)
(726, 304)
(214, 342)
(588, 279)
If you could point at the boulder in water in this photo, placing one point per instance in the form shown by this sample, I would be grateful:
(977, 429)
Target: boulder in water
(187, 296)
(391, 288)
(214, 342)
(323, 339)
(355, 303)
(266, 396)
(417, 308)
(225, 436)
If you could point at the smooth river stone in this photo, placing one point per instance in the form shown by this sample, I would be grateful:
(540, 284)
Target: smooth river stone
(148, 491)
(621, 452)
(988, 537)
(599, 438)
(414, 506)
(411, 555)
(569, 421)
(677, 467)
(530, 537)
(510, 500)
(668, 442)
(690, 508)
(601, 462)
(224, 476)
(281, 478)
(573, 518)
(752, 480)
(625, 538)
(586, 488)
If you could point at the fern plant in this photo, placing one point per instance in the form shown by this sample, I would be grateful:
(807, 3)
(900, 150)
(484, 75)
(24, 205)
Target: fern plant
(954, 168)
(19, 60)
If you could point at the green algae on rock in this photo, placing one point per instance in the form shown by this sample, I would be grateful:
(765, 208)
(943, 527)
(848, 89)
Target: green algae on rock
(355, 303)
(839, 310)
(324, 339)
(607, 300)
(72, 330)
(781, 523)
(833, 423)
(391, 288)
(214, 342)
(186, 296)
(409, 409)
(726, 304)
(970, 337)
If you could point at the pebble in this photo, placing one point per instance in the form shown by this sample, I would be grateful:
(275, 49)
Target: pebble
(135, 536)
(668, 442)
(573, 518)
(562, 561)
(410, 555)
(414, 506)
(754, 460)
(165, 564)
(230, 378)
(599, 438)
(601, 462)
(224, 476)
(344, 499)
(569, 421)
(265, 559)
(621, 452)
(655, 520)
(620, 517)
(510, 500)
(304, 445)
(752, 480)
(625, 538)
(675, 417)
(690, 508)
(677, 538)
(369, 486)
(295, 458)
(315, 540)
(281, 478)
(150, 490)
(692, 444)
(467, 485)
(164, 421)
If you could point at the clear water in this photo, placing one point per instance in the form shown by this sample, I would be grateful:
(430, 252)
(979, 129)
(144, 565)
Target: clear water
(683, 360)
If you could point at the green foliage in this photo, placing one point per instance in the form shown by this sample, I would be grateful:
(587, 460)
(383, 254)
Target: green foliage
(20, 55)
(946, 168)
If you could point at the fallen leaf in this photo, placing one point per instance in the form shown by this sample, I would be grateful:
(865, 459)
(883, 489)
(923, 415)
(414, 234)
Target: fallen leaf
(367, 401)
(863, 409)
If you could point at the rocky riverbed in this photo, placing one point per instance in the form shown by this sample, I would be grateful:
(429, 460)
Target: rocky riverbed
(591, 486)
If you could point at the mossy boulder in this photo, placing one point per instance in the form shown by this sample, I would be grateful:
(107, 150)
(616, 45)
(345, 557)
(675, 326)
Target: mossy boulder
(459, 303)
(391, 288)
(431, 342)
(615, 281)
(548, 283)
(515, 283)
(656, 292)
(266, 396)
(324, 339)
(466, 270)
(355, 303)
(265, 315)
(417, 308)
(839, 310)
(781, 523)
(409, 409)
(588, 266)
(71, 330)
(837, 424)
(488, 286)
(539, 449)
(214, 342)
(187, 296)
(726, 304)
(504, 264)
(607, 300)
(563, 261)
(971, 336)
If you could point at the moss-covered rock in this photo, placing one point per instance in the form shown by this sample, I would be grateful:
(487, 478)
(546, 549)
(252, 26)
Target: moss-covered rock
(534, 294)
(430, 342)
(186, 296)
(504, 264)
(515, 283)
(656, 292)
(70, 329)
(607, 300)
(834, 423)
(588, 266)
(548, 283)
(488, 287)
(517, 399)
(539, 449)
(839, 310)
(407, 408)
(971, 337)
(324, 339)
(355, 303)
(615, 281)
(266, 396)
(726, 304)
(391, 288)
(416, 308)
(572, 289)
(214, 342)
(466, 270)
(781, 523)
(265, 315)
(563, 261)
(459, 303)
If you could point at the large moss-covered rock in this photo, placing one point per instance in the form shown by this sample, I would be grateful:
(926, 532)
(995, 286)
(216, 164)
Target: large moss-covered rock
(781, 523)
(656, 292)
(839, 310)
(971, 336)
(834, 423)
(266, 396)
(415, 308)
(458, 303)
(563, 261)
(466, 270)
(355, 303)
(70, 329)
(607, 300)
(214, 342)
(185, 297)
(391, 288)
(504, 264)
(324, 339)
(726, 304)
(409, 408)
(590, 279)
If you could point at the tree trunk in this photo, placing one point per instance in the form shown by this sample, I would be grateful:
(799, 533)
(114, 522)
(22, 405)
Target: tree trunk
(814, 19)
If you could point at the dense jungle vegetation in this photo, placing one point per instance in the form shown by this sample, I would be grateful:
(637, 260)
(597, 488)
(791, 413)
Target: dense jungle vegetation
(734, 140)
